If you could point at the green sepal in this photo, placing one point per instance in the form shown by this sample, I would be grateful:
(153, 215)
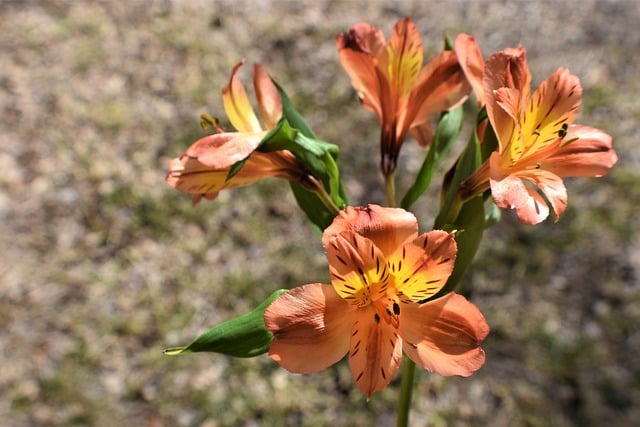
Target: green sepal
(244, 336)
(445, 136)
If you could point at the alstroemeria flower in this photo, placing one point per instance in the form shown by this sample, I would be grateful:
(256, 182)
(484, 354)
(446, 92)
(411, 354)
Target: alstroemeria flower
(381, 269)
(203, 169)
(538, 142)
(392, 83)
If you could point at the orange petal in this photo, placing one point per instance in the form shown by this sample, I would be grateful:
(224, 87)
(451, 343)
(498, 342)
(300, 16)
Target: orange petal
(510, 192)
(470, 58)
(403, 57)
(444, 335)
(424, 265)
(371, 86)
(506, 69)
(311, 325)
(553, 105)
(441, 86)
(388, 228)
(237, 105)
(268, 97)
(587, 152)
(375, 352)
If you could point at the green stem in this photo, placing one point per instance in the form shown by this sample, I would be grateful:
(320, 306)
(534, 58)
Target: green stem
(326, 199)
(406, 389)
(390, 186)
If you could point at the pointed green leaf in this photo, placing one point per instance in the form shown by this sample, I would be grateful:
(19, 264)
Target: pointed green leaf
(292, 115)
(244, 336)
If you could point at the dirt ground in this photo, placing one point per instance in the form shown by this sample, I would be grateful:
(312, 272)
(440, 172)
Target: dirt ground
(103, 265)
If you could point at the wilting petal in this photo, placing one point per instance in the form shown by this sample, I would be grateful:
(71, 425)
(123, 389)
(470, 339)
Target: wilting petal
(444, 335)
(470, 58)
(510, 192)
(188, 175)
(221, 150)
(237, 105)
(388, 228)
(424, 265)
(375, 351)
(311, 325)
(358, 269)
(268, 97)
(362, 37)
(586, 152)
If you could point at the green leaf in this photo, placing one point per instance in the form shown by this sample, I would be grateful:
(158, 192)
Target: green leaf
(445, 136)
(291, 114)
(315, 210)
(244, 336)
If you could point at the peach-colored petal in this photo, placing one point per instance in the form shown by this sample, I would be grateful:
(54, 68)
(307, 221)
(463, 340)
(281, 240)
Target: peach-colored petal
(269, 101)
(188, 175)
(444, 335)
(388, 228)
(510, 192)
(551, 186)
(375, 351)
(472, 63)
(222, 150)
(358, 269)
(237, 105)
(585, 151)
(424, 265)
(311, 327)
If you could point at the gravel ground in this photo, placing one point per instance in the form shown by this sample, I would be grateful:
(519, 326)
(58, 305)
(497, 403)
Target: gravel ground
(104, 266)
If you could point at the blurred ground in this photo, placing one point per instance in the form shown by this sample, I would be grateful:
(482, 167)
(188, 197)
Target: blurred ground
(103, 265)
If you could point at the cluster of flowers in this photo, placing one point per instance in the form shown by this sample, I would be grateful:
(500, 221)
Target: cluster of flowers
(388, 291)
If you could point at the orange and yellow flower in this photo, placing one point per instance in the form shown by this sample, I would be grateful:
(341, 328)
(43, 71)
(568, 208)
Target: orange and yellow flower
(381, 270)
(204, 167)
(538, 144)
(392, 83)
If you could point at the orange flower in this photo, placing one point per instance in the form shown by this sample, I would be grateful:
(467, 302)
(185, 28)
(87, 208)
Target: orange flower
(381, 270)
(538, 144)
(203, 169)
(391, 82)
